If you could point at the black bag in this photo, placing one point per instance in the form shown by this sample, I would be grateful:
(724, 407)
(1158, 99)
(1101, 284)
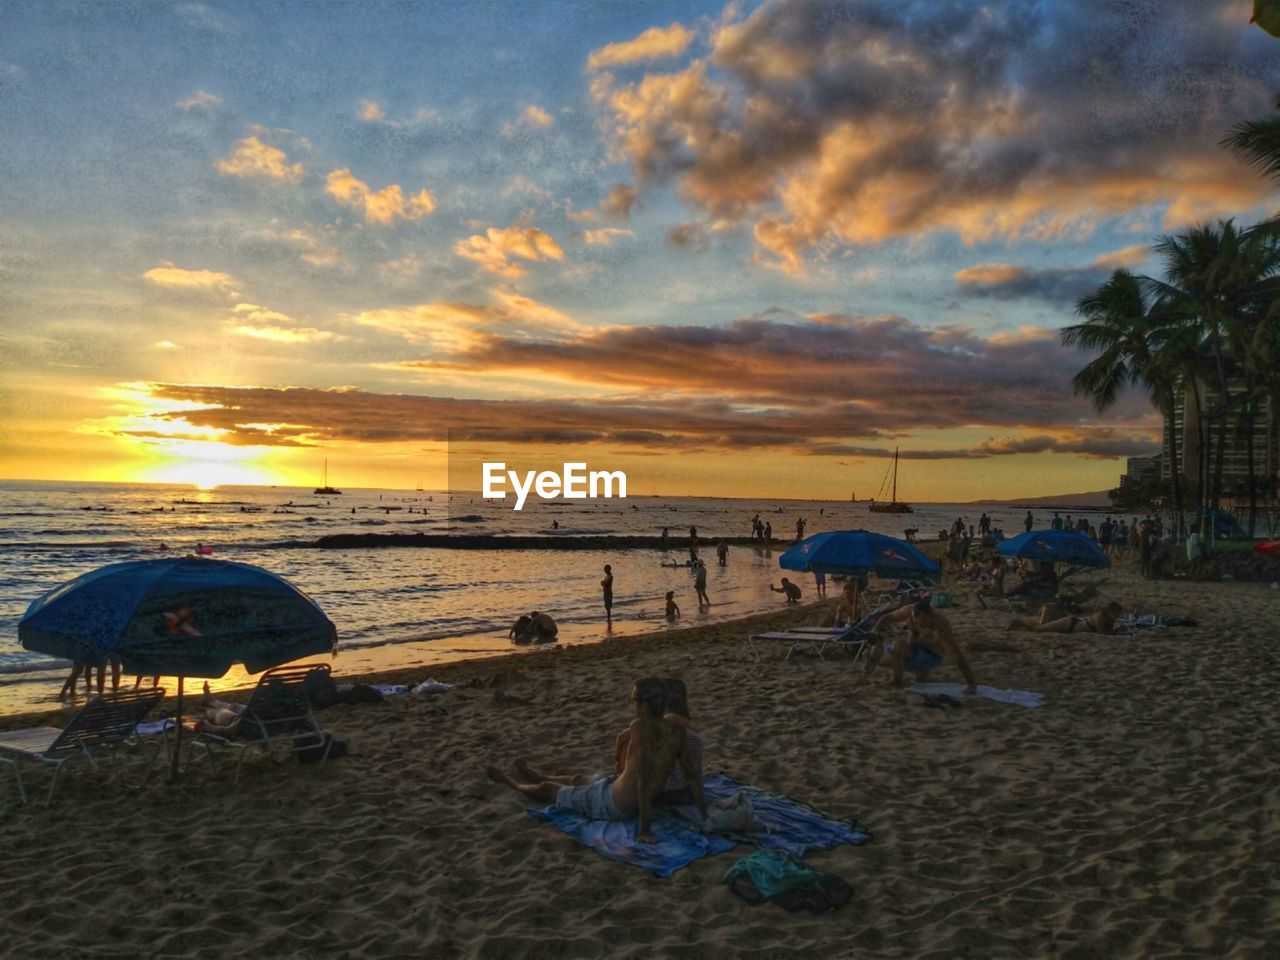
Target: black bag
(309, 751)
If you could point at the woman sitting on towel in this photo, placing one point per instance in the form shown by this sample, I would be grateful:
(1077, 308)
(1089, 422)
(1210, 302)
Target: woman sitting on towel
(1102, 620)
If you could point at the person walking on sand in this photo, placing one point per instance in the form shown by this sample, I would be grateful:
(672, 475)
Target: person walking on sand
(700, 584)
(768, 533)
(799, 529)
(930, 641)
(1029, 521)
(653, 744)
(606, 589)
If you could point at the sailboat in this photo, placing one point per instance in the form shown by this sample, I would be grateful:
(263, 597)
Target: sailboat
(324, 489)
(893, 506)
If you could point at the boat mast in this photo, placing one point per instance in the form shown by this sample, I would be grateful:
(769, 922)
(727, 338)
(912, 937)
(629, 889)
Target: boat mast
(895, 474)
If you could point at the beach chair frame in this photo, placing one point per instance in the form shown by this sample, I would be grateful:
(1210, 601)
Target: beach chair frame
(852, 638)
(94, 733)
(278, 712)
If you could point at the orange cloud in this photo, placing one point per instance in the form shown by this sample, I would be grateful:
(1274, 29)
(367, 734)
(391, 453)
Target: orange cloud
(815, 131)
(533, 118)
(371, 111)
(384, 206)
(494, 249)
(201, 281)
(251, 157)
(655, 43)
(251, 320)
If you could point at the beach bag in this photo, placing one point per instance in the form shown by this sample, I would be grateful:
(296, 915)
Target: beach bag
(732, 815)
(940, 598)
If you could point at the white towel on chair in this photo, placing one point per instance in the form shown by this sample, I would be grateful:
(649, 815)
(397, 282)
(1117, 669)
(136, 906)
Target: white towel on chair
(1020, 698)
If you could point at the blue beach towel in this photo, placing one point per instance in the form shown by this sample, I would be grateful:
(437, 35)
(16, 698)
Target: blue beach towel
(793, 827)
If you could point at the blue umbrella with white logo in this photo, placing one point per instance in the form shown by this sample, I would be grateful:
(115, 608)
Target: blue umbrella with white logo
(1055, 546)
(859, 553)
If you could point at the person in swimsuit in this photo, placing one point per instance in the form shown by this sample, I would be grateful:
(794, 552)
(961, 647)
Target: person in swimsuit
(1102, 620)
(929, 642)
(606, 589)
(653, 742)
(673, 609)
(700, 584)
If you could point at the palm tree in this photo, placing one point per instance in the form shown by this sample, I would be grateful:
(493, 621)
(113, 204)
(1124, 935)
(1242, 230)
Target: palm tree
(1223, 281)
(1127, 325)
(1257, 143)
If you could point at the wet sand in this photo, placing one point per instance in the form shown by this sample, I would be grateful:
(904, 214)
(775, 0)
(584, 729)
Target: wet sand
(1136, 814)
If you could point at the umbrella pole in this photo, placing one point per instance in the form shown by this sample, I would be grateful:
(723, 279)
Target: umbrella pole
(177, 738)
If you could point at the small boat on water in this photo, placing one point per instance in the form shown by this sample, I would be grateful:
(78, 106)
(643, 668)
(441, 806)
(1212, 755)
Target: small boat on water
(892, 506)
(324, 489)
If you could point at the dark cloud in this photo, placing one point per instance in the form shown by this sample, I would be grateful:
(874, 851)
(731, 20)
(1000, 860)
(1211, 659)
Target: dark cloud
(841, 386)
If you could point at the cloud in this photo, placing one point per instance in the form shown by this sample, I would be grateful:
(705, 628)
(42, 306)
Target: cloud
(406, 268)
(605, 236)
(816, 125)
(348, 414)
(1059, 285)
(619, 201)
(654, 44)
(251, 320)
(200, 100)
(198, 281)
(1126, 257)
(251, 157)
(165, 345)
(839, 375)
(371, 111)
(384, 206)
(450, 330)
(533, 118)
(494, 249)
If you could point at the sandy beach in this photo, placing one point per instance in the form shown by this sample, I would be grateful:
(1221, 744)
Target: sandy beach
(1135, 814)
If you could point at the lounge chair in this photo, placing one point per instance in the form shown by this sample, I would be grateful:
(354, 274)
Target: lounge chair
(96, 730)
(278, 713)
(852, 638)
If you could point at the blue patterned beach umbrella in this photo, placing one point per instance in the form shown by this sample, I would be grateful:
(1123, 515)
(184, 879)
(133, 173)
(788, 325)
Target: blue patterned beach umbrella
(858, 553)
(181, 616)
(1055, 546)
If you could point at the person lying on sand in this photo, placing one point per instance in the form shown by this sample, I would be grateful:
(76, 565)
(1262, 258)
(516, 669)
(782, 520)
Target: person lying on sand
(929, 642)
(220, 716)
(654, 742)
(1102, 620)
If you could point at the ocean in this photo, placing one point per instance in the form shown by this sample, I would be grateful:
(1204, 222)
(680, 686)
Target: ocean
(413, 605)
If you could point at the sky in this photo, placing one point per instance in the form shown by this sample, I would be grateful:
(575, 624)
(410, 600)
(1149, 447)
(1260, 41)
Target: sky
(741, 250)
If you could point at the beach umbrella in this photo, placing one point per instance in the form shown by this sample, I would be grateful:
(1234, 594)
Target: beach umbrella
(858, 553)
(1055, 546)
(178, 616)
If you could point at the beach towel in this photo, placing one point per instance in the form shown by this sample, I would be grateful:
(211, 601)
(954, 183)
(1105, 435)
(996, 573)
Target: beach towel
(1019, 698)
(390, 689)
(771, 876)
(791, 826)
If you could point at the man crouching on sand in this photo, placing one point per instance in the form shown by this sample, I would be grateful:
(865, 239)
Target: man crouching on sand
(930, 641)
(654, 744)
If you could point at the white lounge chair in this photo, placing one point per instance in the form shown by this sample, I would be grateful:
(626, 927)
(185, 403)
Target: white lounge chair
(96, 730)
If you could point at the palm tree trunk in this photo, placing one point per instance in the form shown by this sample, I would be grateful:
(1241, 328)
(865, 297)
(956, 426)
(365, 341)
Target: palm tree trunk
(1175, 468)
(1249, 416)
